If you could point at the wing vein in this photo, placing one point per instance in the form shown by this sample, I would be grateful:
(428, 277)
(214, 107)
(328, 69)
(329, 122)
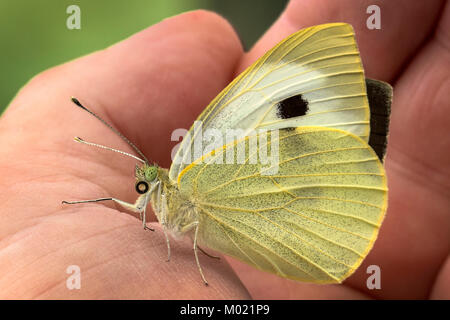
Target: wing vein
(272, 251)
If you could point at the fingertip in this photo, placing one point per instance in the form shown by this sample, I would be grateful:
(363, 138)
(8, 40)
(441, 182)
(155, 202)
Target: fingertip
(217, 28)
(204, 26)
(202, 18)
(384, 50)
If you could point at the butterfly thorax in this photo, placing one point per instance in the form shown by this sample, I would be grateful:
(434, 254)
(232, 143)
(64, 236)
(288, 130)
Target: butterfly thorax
(174, 212)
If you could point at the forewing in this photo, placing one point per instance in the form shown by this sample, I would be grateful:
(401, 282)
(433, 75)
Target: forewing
(314, 219)
(312, 78)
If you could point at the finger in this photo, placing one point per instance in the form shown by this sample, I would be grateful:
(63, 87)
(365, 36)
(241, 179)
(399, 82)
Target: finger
(146, 86)
(262, 285)
(440, 290)
(114, 259)
(415, 240)
(384, 52)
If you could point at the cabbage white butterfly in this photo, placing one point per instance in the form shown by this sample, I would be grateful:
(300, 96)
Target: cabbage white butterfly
(315, 217)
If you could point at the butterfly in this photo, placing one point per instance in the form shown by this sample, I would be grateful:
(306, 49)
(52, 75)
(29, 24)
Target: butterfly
(312, 210)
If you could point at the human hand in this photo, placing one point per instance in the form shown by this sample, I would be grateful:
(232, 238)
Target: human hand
(159, 80)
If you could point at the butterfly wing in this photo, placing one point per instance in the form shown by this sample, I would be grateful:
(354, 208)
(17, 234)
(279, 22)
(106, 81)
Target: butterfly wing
(313, 219)
(379, 94)
(312, 78)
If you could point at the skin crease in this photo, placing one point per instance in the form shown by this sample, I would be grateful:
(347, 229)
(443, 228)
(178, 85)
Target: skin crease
(162, 78)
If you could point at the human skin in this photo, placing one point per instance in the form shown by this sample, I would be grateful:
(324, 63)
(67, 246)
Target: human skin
(160, 79)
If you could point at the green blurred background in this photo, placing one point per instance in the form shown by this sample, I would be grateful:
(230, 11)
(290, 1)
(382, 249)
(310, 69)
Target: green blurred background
(34, 36)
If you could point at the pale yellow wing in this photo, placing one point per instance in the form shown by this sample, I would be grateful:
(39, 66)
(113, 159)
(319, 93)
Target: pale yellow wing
(314, 219)
(312, 78)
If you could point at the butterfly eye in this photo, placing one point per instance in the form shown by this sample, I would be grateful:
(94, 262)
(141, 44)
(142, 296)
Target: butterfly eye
(141, 187)
(150, 173)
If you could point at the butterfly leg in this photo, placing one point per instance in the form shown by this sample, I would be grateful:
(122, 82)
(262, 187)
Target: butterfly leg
(164, 212)
(144, 208)
(186, 228)
(207, 254)
(144, 219)
(196, 255)
(139, 206)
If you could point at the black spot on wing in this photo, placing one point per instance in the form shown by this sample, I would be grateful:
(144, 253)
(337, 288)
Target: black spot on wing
(292, 107)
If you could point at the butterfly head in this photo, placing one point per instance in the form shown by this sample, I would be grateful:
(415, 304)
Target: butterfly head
(146, 175)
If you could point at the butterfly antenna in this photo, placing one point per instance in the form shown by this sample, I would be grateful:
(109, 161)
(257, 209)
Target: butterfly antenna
(78, 139)
(131, 144)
